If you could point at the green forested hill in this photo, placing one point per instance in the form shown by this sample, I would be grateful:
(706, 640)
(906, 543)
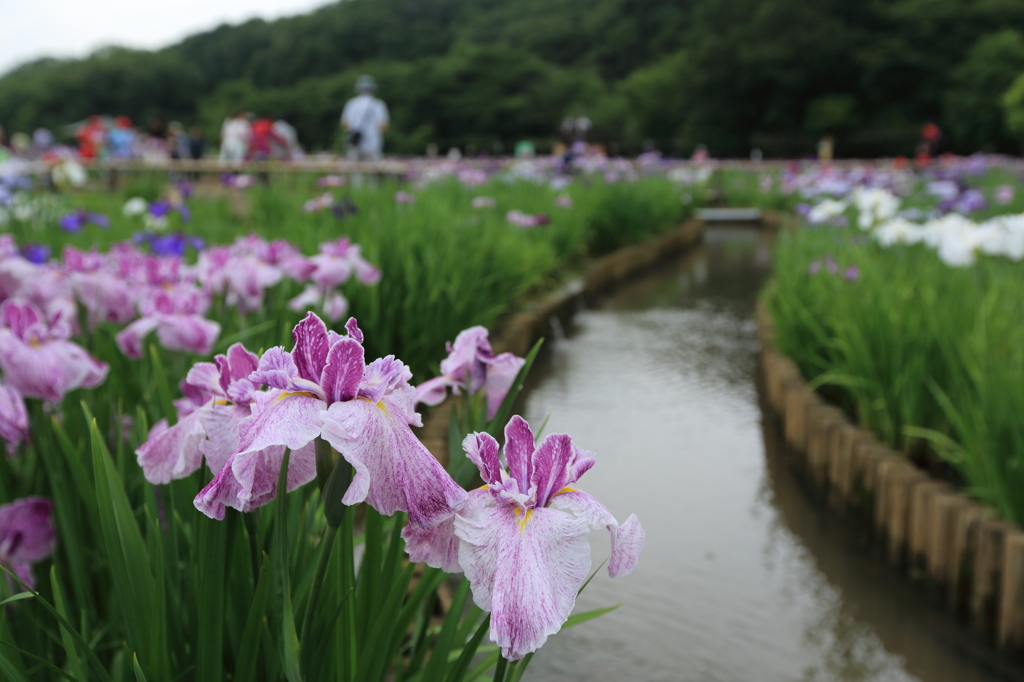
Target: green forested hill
(731, 74)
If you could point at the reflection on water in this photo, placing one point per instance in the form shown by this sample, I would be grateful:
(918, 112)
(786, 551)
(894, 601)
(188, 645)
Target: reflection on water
(741, 578)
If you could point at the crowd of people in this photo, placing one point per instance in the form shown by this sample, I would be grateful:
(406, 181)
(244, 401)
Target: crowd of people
(21, 145)
(244, 137)
(103, 137)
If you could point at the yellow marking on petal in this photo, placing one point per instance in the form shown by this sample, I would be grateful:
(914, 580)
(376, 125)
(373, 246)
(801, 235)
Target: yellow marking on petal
(566, 489)
(522, 521)
(291, 393)
(221, 401)
(486, 487)
(380, 404)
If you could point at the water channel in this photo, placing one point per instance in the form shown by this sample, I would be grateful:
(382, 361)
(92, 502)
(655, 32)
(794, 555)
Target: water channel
(742, 578)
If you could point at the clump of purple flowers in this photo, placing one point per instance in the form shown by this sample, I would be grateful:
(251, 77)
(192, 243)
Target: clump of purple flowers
(35, 253)
(74, 222)
(174, 244)
(851, 273)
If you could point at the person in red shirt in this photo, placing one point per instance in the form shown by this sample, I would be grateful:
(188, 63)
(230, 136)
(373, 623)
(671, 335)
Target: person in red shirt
(928, 146)
(263, 136)
(90, 138)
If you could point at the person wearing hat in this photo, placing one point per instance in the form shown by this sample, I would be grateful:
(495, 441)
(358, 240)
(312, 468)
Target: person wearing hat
(364, 119)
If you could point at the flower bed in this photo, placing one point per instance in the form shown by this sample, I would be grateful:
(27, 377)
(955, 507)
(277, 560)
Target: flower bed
(141, 578)
(914, 329)
(896, 307)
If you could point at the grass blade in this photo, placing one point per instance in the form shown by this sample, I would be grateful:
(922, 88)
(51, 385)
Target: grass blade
(74, 663)
(458, 670)
(245, 667)
(126, 550)
(212, 557)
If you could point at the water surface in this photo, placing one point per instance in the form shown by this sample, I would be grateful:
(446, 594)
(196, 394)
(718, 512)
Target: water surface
(742, 578)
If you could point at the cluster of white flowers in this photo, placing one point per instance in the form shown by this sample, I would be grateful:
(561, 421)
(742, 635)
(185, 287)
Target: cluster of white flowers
(956, 239)
(874, 205)
(37, 211)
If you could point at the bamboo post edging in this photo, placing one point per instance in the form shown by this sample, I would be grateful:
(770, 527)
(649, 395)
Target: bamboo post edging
(970, 561)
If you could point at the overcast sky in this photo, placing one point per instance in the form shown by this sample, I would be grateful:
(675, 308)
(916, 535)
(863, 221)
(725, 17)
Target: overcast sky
(73, 28)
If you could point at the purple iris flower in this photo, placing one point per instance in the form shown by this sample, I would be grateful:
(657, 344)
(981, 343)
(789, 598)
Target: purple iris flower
(471, 365)
(814, 267)
(26, 535)
(36, 253)
(159, 209)
(184, 211)
(344, 207)
(73, 222)
(831, 265)
(851, 273)
(184, 188)
(971, 200)
(38, 360)
(167, 245)
(522, 538)
(174, 244)
(323, 388)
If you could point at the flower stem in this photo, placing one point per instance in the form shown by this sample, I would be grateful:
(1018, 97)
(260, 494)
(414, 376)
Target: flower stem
(252, 530)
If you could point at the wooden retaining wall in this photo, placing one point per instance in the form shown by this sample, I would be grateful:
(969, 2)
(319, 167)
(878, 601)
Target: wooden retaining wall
(968, 559)
(518, 331)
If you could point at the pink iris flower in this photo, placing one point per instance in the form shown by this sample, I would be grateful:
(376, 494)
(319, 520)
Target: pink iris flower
(26, 535)
(336, 263)
(522, 539)
(45, 285)
(470, 366)
(525, 220)
(176, 314)
(106, 296)
(322, 388)
(13, 419)
(37, 358)
(244, 270)
(217, 400)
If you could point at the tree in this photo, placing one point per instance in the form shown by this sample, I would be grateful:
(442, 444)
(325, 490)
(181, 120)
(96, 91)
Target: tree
(973, 110)
(1013, 109)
